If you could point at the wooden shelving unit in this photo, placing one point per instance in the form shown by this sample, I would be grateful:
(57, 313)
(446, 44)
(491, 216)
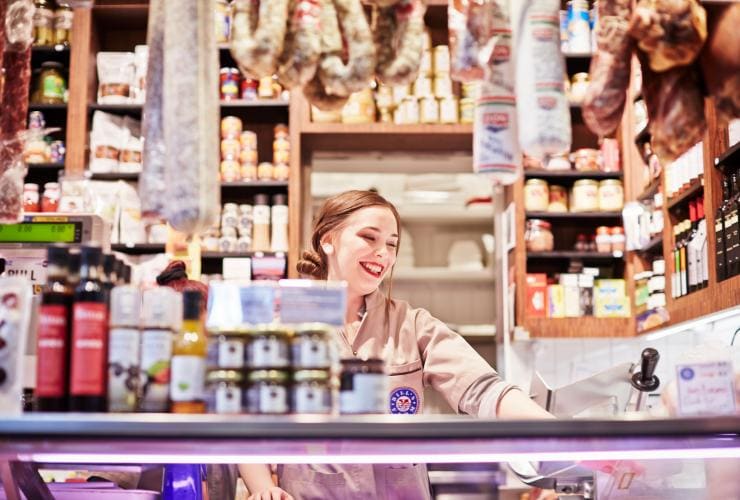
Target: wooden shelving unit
(586, 326)
(687, 194)
(650, 191)
(573, 215)
(573, 255)
(557, 175)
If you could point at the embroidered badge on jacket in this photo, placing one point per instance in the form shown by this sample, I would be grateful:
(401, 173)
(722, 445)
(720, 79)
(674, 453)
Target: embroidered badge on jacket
(404, 400)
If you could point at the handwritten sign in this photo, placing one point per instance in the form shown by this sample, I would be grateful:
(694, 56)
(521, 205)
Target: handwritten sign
(706, 388)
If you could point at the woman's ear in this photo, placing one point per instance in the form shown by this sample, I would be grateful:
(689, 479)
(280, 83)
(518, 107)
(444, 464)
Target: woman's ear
(328, 248)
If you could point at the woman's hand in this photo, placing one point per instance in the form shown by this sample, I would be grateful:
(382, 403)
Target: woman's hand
(273, 493)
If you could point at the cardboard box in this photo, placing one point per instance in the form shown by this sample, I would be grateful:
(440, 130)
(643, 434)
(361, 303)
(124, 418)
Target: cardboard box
(536, 295)
(556, 301)
(610, 299)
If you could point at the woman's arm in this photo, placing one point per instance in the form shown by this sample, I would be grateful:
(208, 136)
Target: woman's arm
(515, 404)
(258, 479)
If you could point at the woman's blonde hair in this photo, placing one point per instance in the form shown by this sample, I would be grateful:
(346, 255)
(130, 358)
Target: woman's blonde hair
(332, 215)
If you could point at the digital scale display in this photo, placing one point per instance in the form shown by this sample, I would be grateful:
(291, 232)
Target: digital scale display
(40, 232)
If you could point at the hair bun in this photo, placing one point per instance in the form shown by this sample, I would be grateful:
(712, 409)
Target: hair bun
(311, 264)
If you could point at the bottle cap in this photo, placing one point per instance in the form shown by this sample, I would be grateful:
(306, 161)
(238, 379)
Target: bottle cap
(280, 199)
(261, 199)
(191, 300)
(125, 306)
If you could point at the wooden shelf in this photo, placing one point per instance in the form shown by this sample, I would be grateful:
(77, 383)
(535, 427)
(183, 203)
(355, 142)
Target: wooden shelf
(650, 191)
(716, 297)
(726, 159)
(139, 248)
(443, 274)
(574, 215)
(386, 128)
(34, 106)
(50, 49)
(570, 174)
(259, 103)
(566, 254)
(224, 255)
(586, 326)
(115, 176)
(654, 246)
(254, 184)
(695, 188)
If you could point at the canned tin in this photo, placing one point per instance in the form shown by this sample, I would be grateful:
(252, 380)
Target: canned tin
(222, 21)
(268, 392)
(441, 59)
(400, 92)
(230, 149)
(248, 157)
(448, 110)
(312, 346)
(429, 110)
(230, 171)
(229, 78)
(425, 65)
(248, 139)
(249, 89)
(423, 87)
(312, 392)
(442, 85)
(224, 394)
(269, 348)
(410, 109)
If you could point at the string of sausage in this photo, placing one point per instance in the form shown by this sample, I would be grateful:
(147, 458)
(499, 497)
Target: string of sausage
(299, 60)
(399, 41)
(259, 36)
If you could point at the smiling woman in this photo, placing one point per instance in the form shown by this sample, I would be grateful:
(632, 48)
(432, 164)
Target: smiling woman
(356, 239)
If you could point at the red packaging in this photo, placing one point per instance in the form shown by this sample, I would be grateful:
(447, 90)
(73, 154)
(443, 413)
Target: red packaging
(51, 370)
(89, 349)
(536, 295)
(610, 155)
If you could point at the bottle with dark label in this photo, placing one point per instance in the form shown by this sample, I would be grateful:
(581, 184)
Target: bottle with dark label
(52, 347)
(189, 353)
(732, 238)
(89, 362)
(73, 268)
(702, 250)
(109, 276)
(692, 269)
(719, 231)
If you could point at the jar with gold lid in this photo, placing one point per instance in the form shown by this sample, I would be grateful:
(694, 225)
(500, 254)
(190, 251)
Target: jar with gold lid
(536, 195)
(611, 195)
(585, 197)
(538, 236)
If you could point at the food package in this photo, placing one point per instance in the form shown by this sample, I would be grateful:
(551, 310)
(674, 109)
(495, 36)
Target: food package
(107, 137)
(131, 228)
(141, 59)
(131, 148)
(670, 32)
(151, 180)
(16, 307)
(720, 60)
(543, 111)
(299, 60)
(609, 73)
(399, 41)
(258, 35)
(495, 144)
(191, 116)
(116, 77)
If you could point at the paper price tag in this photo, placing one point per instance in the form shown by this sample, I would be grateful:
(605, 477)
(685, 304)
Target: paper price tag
(312, 302)
(706, 388)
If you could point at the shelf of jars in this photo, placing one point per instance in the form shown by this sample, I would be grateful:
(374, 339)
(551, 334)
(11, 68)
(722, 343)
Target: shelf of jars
(573, 215)
(575, 255)
(535, 173)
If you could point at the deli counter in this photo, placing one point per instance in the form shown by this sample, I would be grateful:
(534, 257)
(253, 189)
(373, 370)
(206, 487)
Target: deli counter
(704, 453)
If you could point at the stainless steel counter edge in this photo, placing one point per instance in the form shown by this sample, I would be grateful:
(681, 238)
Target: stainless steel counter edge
(163, 426)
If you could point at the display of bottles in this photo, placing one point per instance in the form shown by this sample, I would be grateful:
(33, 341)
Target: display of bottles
(690, 253)
(189, 353)
(89, 346)
(684, 171)
(52, 348)
(732, 238)
(123, 351)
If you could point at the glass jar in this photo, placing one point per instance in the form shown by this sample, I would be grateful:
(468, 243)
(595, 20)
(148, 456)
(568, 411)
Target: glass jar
(442, 85)
(268, 392)
(229, 83)
(441, 59)
(578, 88)
(31, 201)
(363, 386)
(611, 195)
(50, 200)
(52, 86)
(312, 346)
(585, 196)
(538, 236)
(467, 110)
(360, 108)
(231, 127)
(586, 160)
(603, 240)
(230, 149)
(312, 392)
(617, 238)
(448, 110)
(269, 347)
(536, 195)
(265, 89)
(224, 391)
(249, 89)
(43, 23)
(226, 350)
(428, 110)
(558, 199)
(264, 171)
(423, 87)
(230, 171)
(63, 18)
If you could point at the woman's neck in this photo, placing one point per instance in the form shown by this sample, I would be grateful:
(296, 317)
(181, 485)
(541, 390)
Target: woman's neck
(355, 303)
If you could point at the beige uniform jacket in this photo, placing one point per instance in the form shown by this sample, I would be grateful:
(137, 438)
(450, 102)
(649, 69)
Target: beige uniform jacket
(420, 351)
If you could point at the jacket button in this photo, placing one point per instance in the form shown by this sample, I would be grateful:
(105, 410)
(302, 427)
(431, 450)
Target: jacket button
(354, 352)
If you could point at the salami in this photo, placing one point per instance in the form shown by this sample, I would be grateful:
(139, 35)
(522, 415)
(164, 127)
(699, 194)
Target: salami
(343, 79)
(720, 60)
(399, 41)
(543, 111)
(300, 57)
(675, 107)
(191, 116)
(670, 32)
(610, 69)
(152, 181)
(259, 35)
(317, 95)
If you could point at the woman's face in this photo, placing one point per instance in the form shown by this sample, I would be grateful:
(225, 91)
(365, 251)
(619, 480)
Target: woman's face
(364, 249)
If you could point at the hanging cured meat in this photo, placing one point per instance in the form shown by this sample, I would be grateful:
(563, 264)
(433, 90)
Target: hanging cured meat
(399, 41)
(605, 97)
(720, 60)
(298, 62)
(259, 30)
(191, 116)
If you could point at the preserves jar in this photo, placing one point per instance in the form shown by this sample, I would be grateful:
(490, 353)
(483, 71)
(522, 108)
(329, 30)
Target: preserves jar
(43, 23)
(585, 196)
(442, 85)
(428, 110)
(266, 89)
(230, 149)
(249, 89)
(603, 240)
(226, 350)
(618, 239)
(586, 159)
(229, 79)
(423, 87)
(248, 171)
(363, 386)
(558, 199)
(63, 18)
(264, 171)
(231, 127)
(611, 195)
(448, 110)
(248, 139)
(248, 157)
(281, 172)
(410, 106)
(441, 59)
(536, 195)
(224, 392)
(230, 171)
(52, 86)
(268, 392)
(31, 201)
(360, 108)
(269, 347)
(467, 110)
(312, 346)
(578, 88)
(538, 236)
(312, 392)
(50, 200)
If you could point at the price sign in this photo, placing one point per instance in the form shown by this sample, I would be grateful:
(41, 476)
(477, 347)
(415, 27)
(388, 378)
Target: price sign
(312, 302)
(706, 388)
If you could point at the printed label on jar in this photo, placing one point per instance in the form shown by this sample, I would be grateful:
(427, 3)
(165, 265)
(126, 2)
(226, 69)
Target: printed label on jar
(311, 353)
(123, 362)
(268, 352)
(156, 352)
(270, 399)
(366, 395)
(230, 354)
(51, 352)
(312, 398)
(89, 349)
(188, 377)
(228, 399)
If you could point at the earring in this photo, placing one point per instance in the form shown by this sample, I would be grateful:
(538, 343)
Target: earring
(328, 248)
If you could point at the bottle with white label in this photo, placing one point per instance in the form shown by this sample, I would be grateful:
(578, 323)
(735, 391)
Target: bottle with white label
(261, 223)
(189, 354)
(123, 348)
(161, 317)
(279, 223)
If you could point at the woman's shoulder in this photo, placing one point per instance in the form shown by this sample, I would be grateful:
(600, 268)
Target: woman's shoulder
(398, 309)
